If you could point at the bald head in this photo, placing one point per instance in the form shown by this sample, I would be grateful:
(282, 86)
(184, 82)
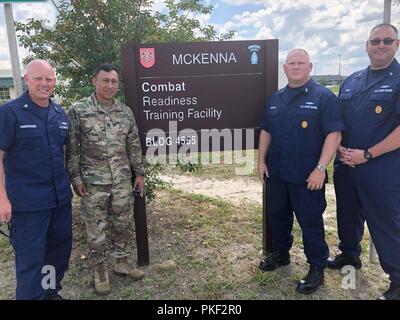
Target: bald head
(298, 51)
(38, 64)
(297, 67)
(40, 80)
(385, 25)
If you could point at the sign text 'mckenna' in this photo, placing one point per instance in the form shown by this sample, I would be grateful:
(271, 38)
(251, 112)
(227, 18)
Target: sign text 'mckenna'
(204, 58)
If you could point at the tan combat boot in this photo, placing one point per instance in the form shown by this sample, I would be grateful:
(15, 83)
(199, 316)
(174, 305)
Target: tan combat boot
(124, 268)
(101, 281)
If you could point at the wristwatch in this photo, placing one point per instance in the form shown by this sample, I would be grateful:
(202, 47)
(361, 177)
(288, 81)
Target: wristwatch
(367, 155)
(321, 167)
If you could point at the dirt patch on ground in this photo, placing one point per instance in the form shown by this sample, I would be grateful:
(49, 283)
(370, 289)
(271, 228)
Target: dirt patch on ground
(236, 190)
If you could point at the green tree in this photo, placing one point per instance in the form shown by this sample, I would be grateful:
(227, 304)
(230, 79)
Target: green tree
(323, 81)
(89, 32)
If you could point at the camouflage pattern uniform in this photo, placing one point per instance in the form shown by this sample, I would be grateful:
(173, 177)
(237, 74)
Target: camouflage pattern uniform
(103, 147)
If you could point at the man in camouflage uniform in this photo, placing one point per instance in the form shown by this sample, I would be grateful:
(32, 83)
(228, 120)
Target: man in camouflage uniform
(102, 153)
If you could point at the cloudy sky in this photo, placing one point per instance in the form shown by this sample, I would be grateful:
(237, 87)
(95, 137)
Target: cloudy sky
(327, 29)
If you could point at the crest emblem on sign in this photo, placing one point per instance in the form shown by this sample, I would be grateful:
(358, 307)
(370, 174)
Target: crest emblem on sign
(147, 57)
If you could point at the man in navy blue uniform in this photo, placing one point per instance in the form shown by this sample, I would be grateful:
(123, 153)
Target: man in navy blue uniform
(36, 196)
(367, 171)
(299, 136)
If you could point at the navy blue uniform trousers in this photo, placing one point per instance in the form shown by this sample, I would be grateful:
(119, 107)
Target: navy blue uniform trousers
(40, 238)
(283, 199)
(379, 206)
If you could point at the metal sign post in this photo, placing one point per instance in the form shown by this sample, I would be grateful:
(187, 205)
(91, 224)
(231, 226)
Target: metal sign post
(142, 242)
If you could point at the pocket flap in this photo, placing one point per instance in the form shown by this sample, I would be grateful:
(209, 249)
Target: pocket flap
(272, 111)
(29, 133)
(307, 112)
(381, 97)
(345, 96)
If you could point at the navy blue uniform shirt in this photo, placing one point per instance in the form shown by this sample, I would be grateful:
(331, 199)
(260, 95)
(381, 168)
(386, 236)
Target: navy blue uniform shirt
(33, 140)
(299, 120)
(371, 112)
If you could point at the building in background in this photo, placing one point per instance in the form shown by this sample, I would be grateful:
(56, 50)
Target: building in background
(7, 90)
(328, 79)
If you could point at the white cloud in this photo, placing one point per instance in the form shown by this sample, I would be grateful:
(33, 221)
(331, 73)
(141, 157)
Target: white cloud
(158, 6)
(241, 2)
(40, 11)
(326, 29)
(264, 33)
(22, 12)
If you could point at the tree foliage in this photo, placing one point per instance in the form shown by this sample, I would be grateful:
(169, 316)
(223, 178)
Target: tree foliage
(90, 32)
(323, 81)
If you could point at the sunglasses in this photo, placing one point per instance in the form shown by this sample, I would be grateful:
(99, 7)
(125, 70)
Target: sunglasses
(386, 41)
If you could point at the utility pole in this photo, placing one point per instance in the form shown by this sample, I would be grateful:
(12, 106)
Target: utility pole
(387, 7)
(340, 65)
(12, 44)
(373, 257)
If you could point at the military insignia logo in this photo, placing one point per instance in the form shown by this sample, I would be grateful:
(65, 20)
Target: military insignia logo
(378, 109)
(304, 124)
(254, 49)
(147, 57)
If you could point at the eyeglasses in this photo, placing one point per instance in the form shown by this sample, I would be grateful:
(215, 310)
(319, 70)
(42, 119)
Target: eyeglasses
(386, 41)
